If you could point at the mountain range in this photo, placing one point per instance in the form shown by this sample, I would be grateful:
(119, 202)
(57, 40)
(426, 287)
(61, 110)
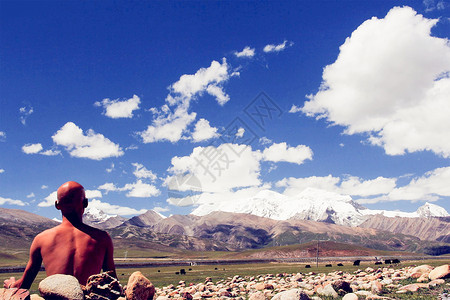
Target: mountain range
(268, 219)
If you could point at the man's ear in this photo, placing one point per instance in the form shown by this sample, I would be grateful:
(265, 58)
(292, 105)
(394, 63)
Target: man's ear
(57, 205)
(85, 202)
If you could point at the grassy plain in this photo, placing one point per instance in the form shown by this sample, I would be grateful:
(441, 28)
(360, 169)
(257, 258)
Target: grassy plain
(164, 276)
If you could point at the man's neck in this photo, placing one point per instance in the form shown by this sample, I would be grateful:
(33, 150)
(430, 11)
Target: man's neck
(72, 219)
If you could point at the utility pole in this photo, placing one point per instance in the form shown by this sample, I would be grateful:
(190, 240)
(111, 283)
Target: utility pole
(317, 255)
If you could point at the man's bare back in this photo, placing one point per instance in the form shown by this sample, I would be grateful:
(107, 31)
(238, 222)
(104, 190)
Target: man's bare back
(71, 248)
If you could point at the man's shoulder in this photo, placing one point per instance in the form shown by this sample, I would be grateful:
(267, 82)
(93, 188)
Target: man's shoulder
(97, 232)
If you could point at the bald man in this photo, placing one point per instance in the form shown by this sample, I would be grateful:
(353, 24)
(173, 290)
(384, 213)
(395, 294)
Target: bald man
(71, 248)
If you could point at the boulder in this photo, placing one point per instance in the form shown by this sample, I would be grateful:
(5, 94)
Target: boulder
(422, 269)
(102, 286)
(294, 294)
(342, 287)
(440, 272)
(14, 294)
(64, 287)
(376, 287)
(436, 282)
(328, 291)
(350, 296)
(257, 296)
(139, 287)
(410, 288)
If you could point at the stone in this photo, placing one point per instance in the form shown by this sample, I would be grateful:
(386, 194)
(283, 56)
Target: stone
(440, 272)
(294, 294)
(423, 277)
(36, 297)
(102, 286)
(410, 287)
(62, 287)
(257, 296)
(14, 294)
(376, 287)
(350, 296)
(342, 287)
(139, 287)
(436, 282)
(328, 290)
(422, 269)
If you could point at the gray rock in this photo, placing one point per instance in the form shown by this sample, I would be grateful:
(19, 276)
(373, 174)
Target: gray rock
(59, 286)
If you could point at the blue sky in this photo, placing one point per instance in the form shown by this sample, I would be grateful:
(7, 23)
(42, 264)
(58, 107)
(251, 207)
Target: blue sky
(140, 101)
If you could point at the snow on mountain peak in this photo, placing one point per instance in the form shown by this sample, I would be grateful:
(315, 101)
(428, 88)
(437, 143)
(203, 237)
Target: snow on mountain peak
(94, 214)
(431, 210)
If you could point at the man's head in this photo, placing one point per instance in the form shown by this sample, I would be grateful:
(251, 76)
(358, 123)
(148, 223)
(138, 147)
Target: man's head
(71, 197)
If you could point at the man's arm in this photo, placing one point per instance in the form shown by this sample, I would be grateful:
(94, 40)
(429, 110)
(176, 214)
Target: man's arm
(31, 270)
(108, 261)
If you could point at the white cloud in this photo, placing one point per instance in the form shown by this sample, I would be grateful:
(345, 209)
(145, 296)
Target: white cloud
(283, 152)
(93, 194)
(90, 145)
(221, 168)
(112, 209)
(277, 48)
(265, 141)
(10, 201)
(240, 132)
(171, 124)
(44, 187)
(390, 80)
(2, 171)
(50, 152)
(295, 109)
(137, 189)
(140, 189)
(159, 209)
(430, 187)
(2, 136)
(203, 131)
(246, 52)
(49, 200)
(109, 170)
(119, 109)
(431, 5)
(32, 148)
(349, 185)
(30, 195)
(142, 172)
(25, 112)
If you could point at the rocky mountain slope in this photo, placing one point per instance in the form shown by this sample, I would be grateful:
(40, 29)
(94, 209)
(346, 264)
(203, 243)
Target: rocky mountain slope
(437, 229)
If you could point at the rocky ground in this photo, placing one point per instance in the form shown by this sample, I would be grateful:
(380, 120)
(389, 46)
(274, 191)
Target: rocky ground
(381, 283)
(413, 282)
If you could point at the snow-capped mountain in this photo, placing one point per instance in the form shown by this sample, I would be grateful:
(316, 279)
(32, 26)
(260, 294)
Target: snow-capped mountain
(311, 204)
(97, 218)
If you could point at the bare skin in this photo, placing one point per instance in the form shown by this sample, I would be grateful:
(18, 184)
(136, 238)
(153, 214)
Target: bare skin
(71, 248)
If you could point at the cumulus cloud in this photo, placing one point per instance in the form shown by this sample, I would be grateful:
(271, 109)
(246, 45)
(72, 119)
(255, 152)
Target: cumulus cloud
(32, 148)
(44, 187)
(431, 186)
(10, 201)
(277, 48)
(283, 152)
(119, 109)
(142, 172)
(138, 189)
(203, 131)
(93, 194)
(172, 119)
(49, 200)
(112, 209)
(25, 112)
(246, 52)
(390, 81)
(90, 145)
(2, 171)
(31, 195)
(265, 141)
(221, 168)
(2, 136)
(350, 185)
